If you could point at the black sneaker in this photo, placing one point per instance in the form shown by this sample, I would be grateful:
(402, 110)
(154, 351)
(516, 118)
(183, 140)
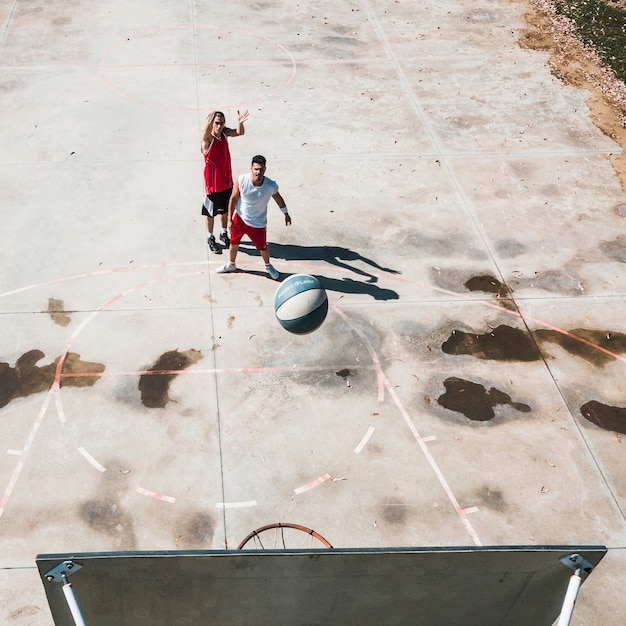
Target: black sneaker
(225, 240)
(213, 247)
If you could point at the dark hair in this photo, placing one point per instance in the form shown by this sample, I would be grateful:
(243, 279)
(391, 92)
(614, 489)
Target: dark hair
(259, 160)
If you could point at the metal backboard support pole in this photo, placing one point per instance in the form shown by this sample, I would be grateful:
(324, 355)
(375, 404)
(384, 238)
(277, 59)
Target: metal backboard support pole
(60, 574)
(579, 565)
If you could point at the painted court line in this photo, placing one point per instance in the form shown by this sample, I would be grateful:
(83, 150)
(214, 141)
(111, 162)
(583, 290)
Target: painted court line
(155, 495)
(313, 483)
(15, 452)
(91, 460)
(235, 505)
(366, 438)
(461, 512)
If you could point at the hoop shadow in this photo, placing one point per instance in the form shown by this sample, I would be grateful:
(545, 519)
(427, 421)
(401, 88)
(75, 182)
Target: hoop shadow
(334, 255)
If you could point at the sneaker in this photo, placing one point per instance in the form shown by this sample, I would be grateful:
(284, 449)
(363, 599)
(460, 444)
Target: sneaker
(227, 268)
(225, 240)
(271, 270)
(213, 247)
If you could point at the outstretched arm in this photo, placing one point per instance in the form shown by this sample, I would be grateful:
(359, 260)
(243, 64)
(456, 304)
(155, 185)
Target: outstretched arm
(283, 207)
(205, 141)
(240, 130)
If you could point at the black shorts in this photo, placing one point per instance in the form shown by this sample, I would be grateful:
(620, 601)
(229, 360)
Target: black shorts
(216, 203)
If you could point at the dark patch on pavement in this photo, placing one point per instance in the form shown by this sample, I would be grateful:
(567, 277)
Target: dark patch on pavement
(105, 516)
(503, 343)
(56, 309)
(26, 378)
(344, 373)
(611, 341)
(607, 417)
(474, 401)
(394, 512)
(491, 498)
(154, 387)
(615, 249)
(488, 284)
(198, 531)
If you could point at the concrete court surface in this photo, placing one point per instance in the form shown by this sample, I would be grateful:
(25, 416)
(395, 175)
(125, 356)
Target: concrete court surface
(453, 197)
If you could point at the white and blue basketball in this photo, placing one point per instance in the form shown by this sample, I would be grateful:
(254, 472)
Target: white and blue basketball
(300, 304)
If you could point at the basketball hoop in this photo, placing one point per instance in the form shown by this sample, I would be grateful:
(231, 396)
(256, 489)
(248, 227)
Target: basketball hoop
(283, 535)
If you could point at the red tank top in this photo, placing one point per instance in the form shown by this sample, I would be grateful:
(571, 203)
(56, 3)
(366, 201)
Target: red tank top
(218, 174)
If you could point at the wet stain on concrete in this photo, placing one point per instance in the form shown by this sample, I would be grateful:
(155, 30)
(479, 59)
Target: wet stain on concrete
(615, 249)
(560, 282)
(510, 248)
(503, 343)
(26, 378)
(474, 401)
(105, 516)
(490, 284)
(56, 310)
(612, 341)
(198, 531)
(394, 511)
(607, 417)
(491, 498)
(344, 373)
(154, 387)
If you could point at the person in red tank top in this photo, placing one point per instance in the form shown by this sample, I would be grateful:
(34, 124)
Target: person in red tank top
(218, 175)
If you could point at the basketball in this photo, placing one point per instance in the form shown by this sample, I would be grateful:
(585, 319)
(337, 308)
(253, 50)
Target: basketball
(300, 304)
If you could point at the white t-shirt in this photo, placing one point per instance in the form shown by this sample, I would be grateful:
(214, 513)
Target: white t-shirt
(252, 203)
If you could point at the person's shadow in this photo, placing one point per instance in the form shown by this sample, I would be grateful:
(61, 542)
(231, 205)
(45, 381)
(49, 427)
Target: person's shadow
(335, 255)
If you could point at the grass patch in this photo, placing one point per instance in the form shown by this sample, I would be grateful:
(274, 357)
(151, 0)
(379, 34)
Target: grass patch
(602, 26)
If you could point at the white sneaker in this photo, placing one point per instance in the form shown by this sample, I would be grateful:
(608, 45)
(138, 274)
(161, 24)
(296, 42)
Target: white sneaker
(271, 270)
(227, 268)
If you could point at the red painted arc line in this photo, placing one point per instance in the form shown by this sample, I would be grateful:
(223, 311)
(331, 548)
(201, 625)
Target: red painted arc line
(55, 388)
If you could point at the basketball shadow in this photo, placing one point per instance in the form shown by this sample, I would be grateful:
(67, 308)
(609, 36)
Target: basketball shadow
(336, 256)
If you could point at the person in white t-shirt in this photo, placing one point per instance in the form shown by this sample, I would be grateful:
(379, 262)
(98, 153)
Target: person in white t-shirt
(247, 214)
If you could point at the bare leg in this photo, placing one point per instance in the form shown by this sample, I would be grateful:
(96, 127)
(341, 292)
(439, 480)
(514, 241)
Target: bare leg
(265, 255)
(209, 225)
(233, 252)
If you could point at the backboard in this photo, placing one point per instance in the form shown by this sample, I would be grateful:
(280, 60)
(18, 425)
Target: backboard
(471, 586)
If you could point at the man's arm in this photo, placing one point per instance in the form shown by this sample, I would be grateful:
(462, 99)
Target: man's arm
(283, 207)
(205, 142)
(240, 130)
(232, 203)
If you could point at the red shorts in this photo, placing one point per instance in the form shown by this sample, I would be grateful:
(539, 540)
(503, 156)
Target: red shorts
(258, 236)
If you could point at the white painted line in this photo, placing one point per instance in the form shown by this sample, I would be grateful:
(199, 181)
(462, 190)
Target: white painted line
(15, 452)
(59, 405)
(313, 483)
(91, 460)
(366, 438)
(235, 505)
(155, 495)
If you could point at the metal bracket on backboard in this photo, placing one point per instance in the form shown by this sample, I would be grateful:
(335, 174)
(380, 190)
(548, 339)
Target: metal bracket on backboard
(575, 561)
(66, 568)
